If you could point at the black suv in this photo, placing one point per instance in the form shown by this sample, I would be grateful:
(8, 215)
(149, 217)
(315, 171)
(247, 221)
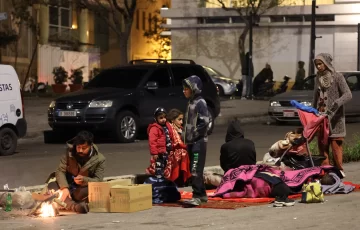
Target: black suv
(122, 99)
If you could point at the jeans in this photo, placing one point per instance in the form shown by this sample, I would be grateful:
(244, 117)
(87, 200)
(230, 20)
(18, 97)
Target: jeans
(247, 86)
(198, 185)
(280, 190)
(78, 194)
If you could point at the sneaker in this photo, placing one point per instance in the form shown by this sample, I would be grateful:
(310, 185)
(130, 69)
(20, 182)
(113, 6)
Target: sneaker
(283, 202)
(342, 173)
(196, 201)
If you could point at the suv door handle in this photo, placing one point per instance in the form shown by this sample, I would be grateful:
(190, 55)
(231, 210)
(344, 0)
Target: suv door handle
(172, 94)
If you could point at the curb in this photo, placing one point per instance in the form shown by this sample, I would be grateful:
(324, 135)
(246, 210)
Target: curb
(220, 120)
(245, 119)
(133, 177)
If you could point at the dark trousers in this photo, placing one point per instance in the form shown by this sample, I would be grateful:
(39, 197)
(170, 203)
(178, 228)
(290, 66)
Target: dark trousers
(197, 182)
(280, 190)
(78, 194)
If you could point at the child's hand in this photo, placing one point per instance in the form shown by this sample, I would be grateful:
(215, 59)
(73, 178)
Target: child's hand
(155, 157)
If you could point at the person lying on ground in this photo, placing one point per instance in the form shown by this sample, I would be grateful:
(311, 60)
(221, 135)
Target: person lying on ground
(291, 140)
(82, 163)
(238, 151)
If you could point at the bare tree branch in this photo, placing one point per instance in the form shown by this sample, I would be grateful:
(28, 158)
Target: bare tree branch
(118, 8)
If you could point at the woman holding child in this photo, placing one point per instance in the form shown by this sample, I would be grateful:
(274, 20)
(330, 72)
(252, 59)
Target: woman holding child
(166, 146)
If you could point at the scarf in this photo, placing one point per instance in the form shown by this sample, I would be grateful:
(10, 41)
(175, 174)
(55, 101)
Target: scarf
(325, 79)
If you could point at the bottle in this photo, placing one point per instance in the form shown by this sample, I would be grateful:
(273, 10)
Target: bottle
(8, 206)
(193, 170)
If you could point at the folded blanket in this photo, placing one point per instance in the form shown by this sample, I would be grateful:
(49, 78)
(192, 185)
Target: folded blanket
(338, 187)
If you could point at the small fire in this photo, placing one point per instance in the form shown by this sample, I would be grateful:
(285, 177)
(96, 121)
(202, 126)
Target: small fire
(47, 210)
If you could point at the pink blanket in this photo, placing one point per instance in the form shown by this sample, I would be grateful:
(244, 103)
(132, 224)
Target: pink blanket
(253, 189)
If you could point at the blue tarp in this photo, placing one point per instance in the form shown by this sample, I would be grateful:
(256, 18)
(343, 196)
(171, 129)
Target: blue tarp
(305, 108)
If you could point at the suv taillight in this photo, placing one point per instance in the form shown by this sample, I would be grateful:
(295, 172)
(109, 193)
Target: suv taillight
(22, 102)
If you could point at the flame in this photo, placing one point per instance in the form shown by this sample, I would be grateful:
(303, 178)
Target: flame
(47, 210)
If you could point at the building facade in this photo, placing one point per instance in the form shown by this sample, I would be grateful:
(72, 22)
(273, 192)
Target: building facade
(209, 35)
(73, 37)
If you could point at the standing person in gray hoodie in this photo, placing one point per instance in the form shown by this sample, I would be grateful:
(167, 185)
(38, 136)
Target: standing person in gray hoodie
(331, 93)
(195, 136)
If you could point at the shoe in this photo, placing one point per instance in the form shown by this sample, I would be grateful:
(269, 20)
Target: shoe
(73, 206)
(283, 202)
(342, 173)
(196, 201)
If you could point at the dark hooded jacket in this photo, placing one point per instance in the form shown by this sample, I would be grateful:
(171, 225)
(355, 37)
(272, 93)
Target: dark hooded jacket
(70, 166)
(237, 150)
(197, 115)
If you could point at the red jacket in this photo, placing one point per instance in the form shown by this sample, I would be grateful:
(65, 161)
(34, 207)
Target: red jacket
(157, 138)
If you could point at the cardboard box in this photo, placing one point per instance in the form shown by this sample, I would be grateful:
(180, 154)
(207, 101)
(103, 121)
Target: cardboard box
(99, 194)
(131, 198)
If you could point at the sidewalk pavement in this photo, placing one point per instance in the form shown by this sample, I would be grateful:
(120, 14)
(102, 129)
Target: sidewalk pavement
(246, 111)
(338, 212)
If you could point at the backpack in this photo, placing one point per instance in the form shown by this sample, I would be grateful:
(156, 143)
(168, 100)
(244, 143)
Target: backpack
(163, 190)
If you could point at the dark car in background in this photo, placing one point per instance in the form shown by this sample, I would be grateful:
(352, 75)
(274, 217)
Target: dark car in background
(122, 99)
(281, 110)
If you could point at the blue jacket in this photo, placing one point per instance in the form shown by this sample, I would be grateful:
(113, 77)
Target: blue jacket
(197, 115)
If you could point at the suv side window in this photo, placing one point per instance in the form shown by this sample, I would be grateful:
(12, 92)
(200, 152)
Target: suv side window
(162, 77)
(198, 71)
(179, 73)
(182, 72)
(353, 82)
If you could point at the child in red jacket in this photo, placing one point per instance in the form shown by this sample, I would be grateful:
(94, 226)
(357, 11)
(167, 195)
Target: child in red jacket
(160, 143)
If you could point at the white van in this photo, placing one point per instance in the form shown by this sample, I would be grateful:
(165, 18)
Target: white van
(12, 119)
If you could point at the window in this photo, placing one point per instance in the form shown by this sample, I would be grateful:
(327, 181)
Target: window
(60, 17)
(126, 78)
(353, 82)
(182, 72)
(150, 22)
(162, 77)
(144, 20)
(137, 20)
(101, 32)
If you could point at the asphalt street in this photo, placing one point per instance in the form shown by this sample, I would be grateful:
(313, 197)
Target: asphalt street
(34, 160)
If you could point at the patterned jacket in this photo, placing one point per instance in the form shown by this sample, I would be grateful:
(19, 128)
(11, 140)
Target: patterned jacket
(333, 99)
(197, 115)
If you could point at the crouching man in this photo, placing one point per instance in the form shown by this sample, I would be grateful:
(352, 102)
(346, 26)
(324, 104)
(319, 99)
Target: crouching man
(81, 164)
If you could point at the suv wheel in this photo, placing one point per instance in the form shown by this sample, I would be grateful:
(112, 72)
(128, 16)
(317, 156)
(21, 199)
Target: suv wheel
(8, 141)
(126, 127)
(211, 122)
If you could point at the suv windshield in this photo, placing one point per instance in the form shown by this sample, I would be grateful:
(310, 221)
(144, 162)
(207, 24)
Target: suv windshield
(127, 78)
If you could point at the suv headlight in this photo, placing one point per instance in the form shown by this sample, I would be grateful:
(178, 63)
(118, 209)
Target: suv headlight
(100, 104)
(52, 105)
(306, 103)
(274, 103)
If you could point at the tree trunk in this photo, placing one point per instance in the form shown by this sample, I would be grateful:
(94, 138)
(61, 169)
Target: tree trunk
(241, 45)
(31, 62)
(17, 47)
(124, 44)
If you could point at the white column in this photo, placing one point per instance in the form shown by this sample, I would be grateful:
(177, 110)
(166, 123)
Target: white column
(83, 28)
